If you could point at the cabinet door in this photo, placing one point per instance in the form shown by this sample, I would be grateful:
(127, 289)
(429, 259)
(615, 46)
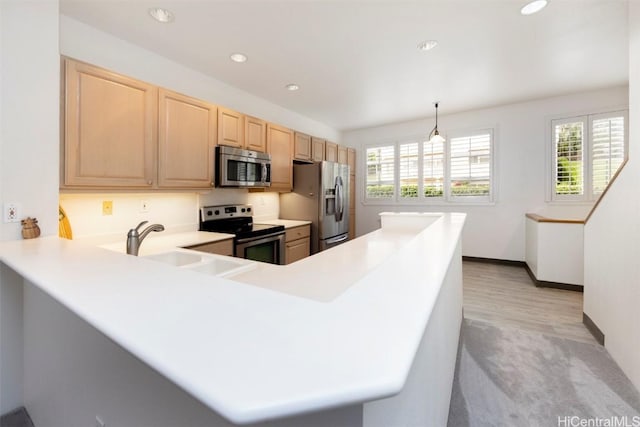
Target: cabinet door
(317, 147)
(186, 140)
(255, 132)
(331, 151)
(297, 250)
(230, 128)
(342, 155)
(222, 247)
(280, 146)
(110, 129)
(302, 147)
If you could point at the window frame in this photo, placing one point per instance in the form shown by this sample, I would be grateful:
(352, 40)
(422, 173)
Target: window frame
(447, 199)
(588, 196)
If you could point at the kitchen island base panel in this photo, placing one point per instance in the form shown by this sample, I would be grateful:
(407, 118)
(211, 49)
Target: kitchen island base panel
(74, 373)
(425, 397)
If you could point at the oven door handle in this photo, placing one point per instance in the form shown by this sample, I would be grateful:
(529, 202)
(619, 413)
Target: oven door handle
(260, 238)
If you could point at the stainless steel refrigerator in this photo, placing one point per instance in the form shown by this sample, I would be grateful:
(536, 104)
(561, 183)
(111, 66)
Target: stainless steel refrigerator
(320, 195)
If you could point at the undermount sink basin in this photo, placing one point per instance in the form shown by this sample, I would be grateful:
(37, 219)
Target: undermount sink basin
(175, 258)
(212, 264)
(222, 267)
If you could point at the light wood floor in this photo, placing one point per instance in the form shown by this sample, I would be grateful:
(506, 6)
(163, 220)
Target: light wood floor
(505, 295)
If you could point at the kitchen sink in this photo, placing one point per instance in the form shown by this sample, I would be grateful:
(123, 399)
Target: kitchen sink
(176, 258)
(222, 267)
(212, 264)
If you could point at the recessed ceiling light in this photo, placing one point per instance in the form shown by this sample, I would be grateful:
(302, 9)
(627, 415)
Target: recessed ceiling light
(292, 87)
(427, 44)
(533, 7)
(238, 57)
(161, 15)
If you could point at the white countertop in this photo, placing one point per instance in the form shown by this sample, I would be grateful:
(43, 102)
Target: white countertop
(161, 242)
(337, 328)
(288, 223)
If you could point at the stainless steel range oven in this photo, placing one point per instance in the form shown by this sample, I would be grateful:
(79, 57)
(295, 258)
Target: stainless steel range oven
(258, 242)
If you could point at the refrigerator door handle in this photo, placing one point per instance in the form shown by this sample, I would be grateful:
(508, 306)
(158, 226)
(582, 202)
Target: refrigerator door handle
(339, 199)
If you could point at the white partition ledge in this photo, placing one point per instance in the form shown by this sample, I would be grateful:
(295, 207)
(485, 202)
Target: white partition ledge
(555, 249)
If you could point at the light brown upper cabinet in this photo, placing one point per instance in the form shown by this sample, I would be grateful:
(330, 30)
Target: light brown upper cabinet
(255, 132)
(342, 155)
(230, 128)
(280, 146)
(331, 151)
(317, 149)
(109, 130)
(186, 141)
(302, 147)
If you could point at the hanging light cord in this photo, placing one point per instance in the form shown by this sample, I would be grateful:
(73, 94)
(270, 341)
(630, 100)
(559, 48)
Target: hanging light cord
(435, 128)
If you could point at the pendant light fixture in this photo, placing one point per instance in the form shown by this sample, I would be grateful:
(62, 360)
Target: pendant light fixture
(434, 136)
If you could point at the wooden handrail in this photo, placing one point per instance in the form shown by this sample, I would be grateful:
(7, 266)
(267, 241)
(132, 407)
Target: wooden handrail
(539, 218)
(613, 178)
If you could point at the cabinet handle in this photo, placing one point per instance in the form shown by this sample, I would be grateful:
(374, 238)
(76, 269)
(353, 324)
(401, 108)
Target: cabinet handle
(213, 184)
(149, 182)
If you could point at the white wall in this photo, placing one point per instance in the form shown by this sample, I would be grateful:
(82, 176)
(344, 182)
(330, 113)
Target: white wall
(494, 231)
(29, 147)
(29, 140)
(612, 240)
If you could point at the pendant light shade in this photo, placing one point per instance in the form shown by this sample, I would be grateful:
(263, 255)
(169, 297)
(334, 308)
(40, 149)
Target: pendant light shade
(434, 136)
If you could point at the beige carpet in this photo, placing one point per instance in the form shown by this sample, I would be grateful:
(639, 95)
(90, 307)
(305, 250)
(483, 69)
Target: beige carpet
(509, 377)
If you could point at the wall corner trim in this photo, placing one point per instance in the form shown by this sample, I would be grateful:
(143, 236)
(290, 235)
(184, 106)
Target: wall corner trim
(593, 328)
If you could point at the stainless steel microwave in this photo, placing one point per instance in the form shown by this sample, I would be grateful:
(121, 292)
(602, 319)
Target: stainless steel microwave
(236, 167)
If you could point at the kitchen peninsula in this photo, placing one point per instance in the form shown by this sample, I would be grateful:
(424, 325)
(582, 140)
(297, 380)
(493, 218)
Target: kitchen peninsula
(364, 334)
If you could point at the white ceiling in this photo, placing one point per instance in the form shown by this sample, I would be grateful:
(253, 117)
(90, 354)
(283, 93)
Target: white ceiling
(357, 62)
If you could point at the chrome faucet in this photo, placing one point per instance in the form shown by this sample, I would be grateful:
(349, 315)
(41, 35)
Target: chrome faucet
(134, 238)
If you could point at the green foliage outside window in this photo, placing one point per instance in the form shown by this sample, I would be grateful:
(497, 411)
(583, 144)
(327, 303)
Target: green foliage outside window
(569, 176)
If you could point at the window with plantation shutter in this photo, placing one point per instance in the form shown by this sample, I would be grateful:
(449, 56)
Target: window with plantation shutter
(380, 183)
(470, 170)
(608, 150)
(568, 143)
(587, 152)
(433, 169)
(419, 171)
(408, 158)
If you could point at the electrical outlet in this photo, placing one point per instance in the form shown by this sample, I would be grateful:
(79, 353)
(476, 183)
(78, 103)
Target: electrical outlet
(107, 207)
(144, 206)
(11, 212)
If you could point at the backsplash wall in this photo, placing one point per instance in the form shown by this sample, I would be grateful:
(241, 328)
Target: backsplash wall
(176, 211)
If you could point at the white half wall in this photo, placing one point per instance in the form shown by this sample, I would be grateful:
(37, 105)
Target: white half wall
(496, 230)
(612, 240)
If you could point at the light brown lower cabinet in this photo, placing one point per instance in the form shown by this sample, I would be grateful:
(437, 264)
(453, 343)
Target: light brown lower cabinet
(222, 247)
(297, 243)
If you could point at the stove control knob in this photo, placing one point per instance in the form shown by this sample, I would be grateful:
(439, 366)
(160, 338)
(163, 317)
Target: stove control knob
(217, 212)
(209, 213)
(243, 209)
(248, 209)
